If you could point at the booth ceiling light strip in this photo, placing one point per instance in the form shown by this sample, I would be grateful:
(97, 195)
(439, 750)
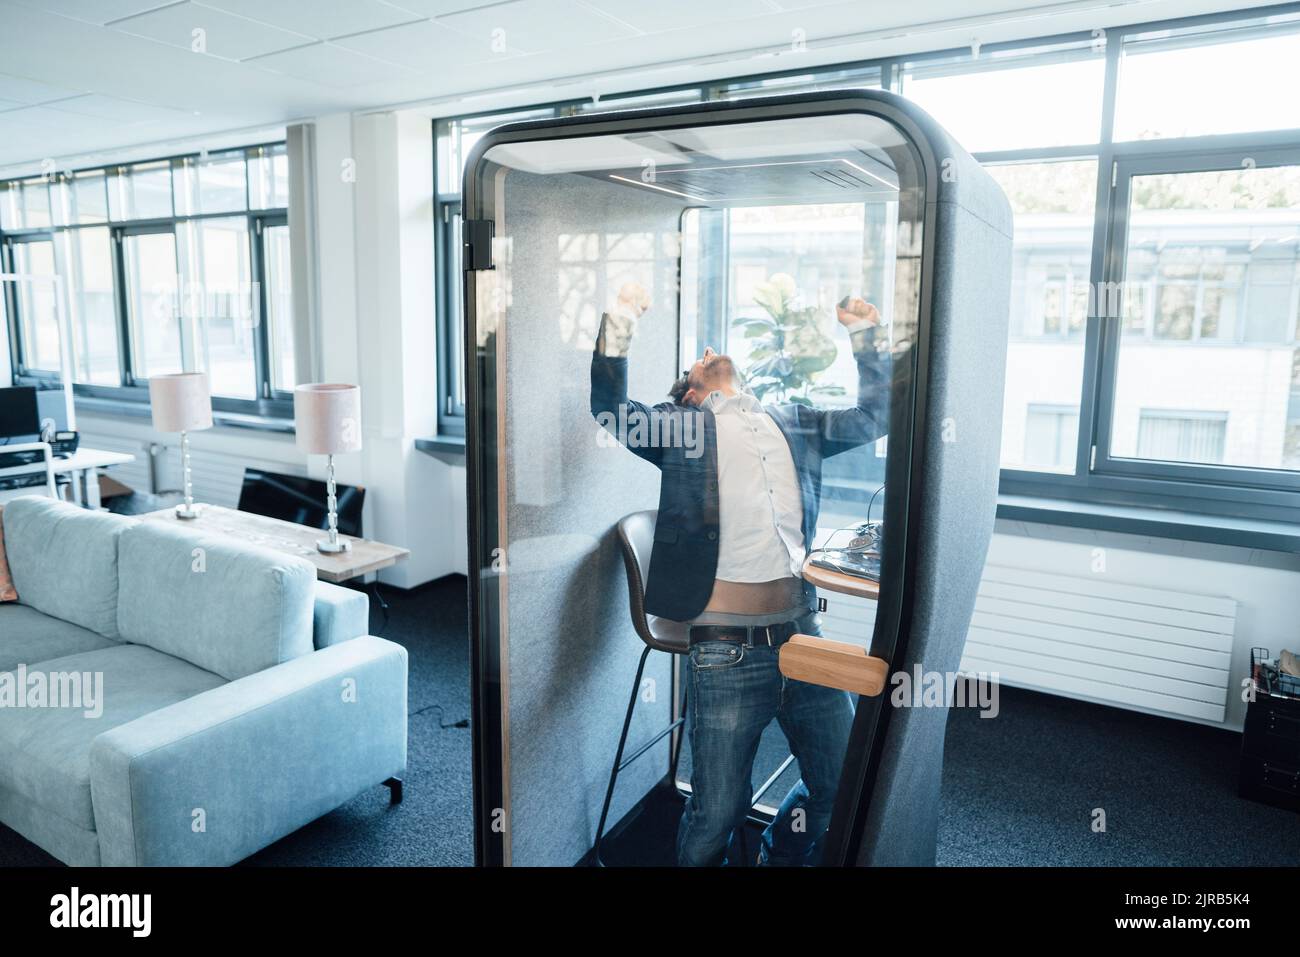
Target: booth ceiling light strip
(662, 189)
(813, 162)
(823, 170)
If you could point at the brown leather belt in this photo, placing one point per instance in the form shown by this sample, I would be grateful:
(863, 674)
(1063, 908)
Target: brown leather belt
(750, 635)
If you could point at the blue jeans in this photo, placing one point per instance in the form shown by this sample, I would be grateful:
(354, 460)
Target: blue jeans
(735, 691)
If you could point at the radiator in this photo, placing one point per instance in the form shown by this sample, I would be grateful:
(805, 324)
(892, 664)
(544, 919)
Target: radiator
(1125, 645)
(1130, 646)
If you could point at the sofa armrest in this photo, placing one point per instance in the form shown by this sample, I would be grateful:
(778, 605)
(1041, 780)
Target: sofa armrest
(214, 778)
(339, 614)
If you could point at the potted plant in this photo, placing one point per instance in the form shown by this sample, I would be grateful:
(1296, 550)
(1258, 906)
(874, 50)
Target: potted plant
(790, 349)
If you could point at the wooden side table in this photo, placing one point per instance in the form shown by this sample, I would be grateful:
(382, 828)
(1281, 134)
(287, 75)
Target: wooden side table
(364, 557)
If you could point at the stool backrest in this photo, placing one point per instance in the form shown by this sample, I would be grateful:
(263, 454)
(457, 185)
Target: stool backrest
(636, 536)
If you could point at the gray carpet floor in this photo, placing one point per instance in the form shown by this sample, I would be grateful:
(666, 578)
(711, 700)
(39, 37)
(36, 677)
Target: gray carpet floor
(1019, 789)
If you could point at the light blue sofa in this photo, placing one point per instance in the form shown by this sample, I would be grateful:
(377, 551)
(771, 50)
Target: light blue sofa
(241, 697)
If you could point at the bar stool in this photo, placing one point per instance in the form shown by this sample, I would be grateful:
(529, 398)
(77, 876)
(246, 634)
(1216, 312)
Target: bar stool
(636, 535)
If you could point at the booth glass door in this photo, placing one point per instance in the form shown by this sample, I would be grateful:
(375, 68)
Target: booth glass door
(602, 257)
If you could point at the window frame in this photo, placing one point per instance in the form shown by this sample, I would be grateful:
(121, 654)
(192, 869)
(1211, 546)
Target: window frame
(1233, 492)
(271, 407)
(450, 360)
(1104, 463)
(8, 263)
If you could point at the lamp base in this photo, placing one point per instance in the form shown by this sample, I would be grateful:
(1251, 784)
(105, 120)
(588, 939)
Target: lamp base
(188, 512)
(333, 548)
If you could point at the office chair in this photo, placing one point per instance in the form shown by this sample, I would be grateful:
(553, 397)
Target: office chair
(636, 535)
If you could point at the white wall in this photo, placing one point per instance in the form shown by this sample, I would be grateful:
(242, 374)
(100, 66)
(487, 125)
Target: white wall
(390, 334)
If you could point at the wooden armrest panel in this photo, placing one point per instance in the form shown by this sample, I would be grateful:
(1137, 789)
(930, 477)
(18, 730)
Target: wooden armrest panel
(833, 664)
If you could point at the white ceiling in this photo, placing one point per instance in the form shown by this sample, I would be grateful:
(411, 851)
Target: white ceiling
(89, 76)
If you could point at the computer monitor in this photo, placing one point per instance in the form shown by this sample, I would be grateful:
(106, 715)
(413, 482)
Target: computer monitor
(19, 417)
(300, 500)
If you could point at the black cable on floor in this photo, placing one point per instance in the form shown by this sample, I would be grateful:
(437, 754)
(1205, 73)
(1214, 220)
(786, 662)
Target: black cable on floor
(462, 723)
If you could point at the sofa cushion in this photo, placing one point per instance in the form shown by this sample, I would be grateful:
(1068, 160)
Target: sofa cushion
(7, 590)
(45, 752)
(28, 636)
(64, 560)
(219, 603)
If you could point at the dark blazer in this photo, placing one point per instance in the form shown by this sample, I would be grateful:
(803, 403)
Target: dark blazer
(683, 442)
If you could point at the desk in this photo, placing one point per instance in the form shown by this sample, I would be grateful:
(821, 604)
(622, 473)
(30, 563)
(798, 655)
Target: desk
(840, 581)
(364, 557)
(85, 465)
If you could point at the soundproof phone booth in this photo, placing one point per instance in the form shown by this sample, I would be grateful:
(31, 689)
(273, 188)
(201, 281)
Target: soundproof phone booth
(852, 264)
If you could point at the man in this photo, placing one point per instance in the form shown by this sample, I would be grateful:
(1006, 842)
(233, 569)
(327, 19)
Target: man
(737, 515)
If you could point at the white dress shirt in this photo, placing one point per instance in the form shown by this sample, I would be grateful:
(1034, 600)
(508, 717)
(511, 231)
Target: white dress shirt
(760, 535)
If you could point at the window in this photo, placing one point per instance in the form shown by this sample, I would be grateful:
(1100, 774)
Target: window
(142, 191)
(220, 311)
(212, 184)
(38, 315)
(268, 177)
(1212, 271)
(25, 205)
(278, 290)
(851, 78)
(1059, 87)
(1153, 355)
(88, 198)
(1208, 79)
(93, 316)
(732, 260)
(1053, 204)
(169, 265)
(152, 302)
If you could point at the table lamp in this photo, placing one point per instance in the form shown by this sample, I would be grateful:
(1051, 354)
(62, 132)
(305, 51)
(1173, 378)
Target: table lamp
(182, 403)
(327, 418)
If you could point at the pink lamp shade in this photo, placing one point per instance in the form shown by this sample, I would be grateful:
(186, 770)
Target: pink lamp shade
(327, 417)
(181, 402)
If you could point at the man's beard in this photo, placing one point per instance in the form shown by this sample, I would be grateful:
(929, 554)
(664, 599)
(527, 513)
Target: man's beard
(678, 391)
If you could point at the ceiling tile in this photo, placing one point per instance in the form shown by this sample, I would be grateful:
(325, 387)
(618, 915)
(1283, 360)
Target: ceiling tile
(28, 91)
(437, 8)
(114, 108)
(98, 11)
(223, 35)
(423, 46)
(44, 119)
(322, 19)
(536, 25)
(675, 14)
(333, 65)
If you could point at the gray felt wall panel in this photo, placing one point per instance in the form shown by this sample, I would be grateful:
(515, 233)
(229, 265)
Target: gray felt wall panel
(967, 365)
(572, 650)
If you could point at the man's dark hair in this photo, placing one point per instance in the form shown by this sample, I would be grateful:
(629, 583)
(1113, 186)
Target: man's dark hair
(679, 389)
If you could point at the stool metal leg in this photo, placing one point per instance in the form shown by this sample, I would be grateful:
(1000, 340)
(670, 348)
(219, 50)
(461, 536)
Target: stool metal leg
(618, 756)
